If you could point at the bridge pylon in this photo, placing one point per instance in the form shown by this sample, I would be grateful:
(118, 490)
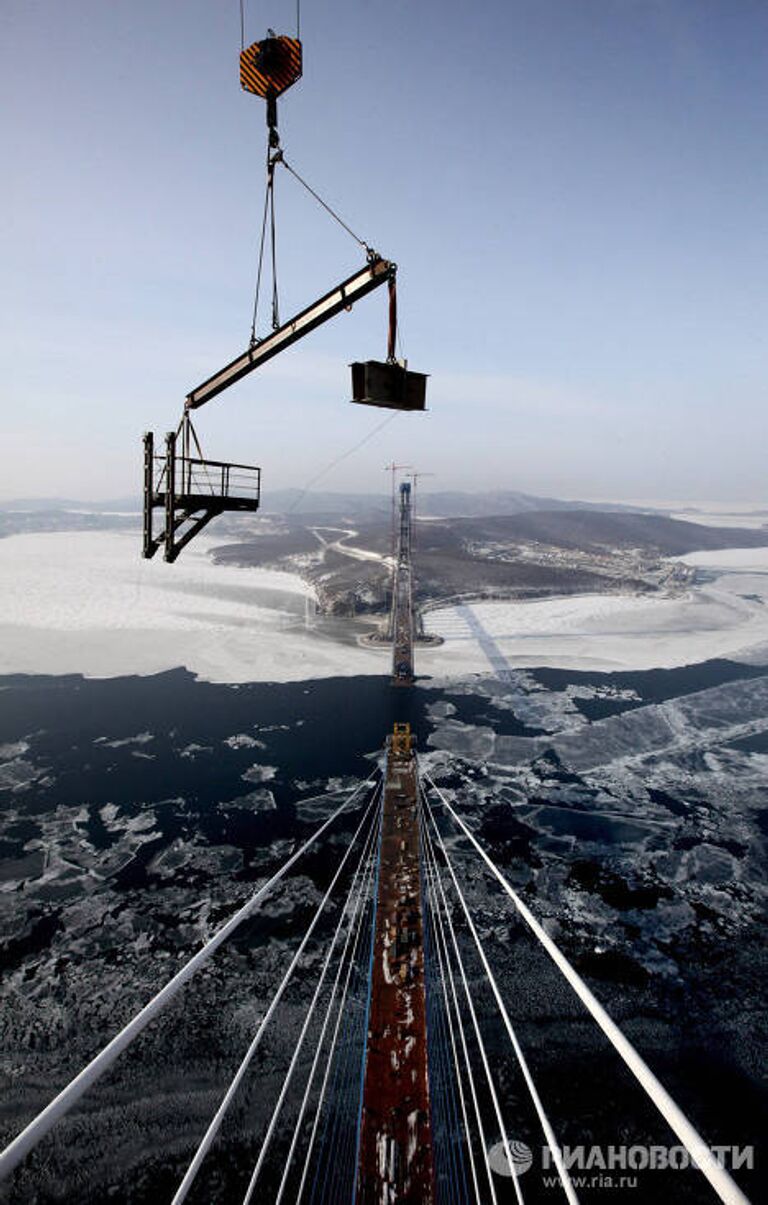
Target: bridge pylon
(402, 624)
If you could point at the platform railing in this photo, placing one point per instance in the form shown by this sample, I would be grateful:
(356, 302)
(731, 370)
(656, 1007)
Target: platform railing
(215, 478)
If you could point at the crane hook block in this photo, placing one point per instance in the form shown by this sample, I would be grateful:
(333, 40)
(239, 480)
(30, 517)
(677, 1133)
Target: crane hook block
(269, 67)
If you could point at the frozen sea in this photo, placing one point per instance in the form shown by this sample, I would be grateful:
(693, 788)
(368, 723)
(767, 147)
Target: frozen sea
(77, 602)
(81, 602)
(611, 752)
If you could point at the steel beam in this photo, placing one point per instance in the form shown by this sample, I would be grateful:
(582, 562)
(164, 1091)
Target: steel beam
(341, 298)
(149, 543)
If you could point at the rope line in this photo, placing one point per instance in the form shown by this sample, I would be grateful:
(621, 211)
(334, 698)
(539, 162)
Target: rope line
(29, 1137)
(369, 993)
(215, 1125)
(273, 245)
(341, 1116)
(442, 910)
(452, 1176)
(325, 205)
(479, 1037)
(262, 243)
(348, 952)
(344, 456)
(437, 1019)
(549, 1134)
(310, 1013)
(451, 1000)
(722, 1183)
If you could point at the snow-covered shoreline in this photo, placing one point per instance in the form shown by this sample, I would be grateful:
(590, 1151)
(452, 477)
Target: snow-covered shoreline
(726, 616)
(85, 602)
(78, 602)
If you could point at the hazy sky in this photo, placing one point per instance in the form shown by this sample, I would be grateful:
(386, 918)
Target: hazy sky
(575, 191)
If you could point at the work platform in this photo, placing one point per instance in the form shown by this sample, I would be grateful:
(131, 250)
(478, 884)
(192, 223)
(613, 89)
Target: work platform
(396, 1161)
(190, 491)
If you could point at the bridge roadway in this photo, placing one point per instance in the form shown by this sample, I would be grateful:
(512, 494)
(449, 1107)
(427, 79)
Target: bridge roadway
(396, 1161)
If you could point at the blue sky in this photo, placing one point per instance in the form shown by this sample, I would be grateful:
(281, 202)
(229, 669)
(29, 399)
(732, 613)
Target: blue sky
(575, 192)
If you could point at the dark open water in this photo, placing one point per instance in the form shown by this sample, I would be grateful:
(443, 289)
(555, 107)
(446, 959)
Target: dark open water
(187, 773)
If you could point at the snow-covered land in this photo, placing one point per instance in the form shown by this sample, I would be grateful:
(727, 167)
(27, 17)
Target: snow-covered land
(85, 602)
(725, 616)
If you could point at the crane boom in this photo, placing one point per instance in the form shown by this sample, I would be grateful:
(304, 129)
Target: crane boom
(375, 273)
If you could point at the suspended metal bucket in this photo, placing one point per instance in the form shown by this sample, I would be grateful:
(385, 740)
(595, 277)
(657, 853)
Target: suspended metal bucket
(391, 385)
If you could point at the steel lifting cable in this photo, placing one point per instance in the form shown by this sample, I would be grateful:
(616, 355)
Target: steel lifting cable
(191, 431)
(63, 1102)
(350, 949)
(544, 1121)
(451, 1002)
(262, 243)
(215, 1125)
(444, 911)
(364, 853)
(242, 22)
(275, 300)
(269, 214)
(727, 1190)
(360, 241)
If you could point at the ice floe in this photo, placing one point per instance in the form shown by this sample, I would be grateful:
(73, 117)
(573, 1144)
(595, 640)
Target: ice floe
(85, 602)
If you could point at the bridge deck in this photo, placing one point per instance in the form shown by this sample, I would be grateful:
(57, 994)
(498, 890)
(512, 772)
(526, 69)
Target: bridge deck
(395, 1146)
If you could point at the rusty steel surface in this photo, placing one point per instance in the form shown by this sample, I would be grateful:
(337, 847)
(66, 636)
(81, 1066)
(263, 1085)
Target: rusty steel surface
(396, 1162)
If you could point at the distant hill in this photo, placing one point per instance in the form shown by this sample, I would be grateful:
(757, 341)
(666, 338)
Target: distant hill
(320, 505)
(444, 504)
(534, 554)
(592, 531)
(51, 505)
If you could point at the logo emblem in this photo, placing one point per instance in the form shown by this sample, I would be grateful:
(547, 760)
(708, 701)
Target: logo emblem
(522, 1158)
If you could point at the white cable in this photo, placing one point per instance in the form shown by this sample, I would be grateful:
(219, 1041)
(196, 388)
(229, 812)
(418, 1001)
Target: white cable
(718, 1177)
(441, 948)
(549, 1134)
(481, 1046)
(328, 1066)
(310, 1013)
(355, 927)
(29, 1137)
(215, 1125)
